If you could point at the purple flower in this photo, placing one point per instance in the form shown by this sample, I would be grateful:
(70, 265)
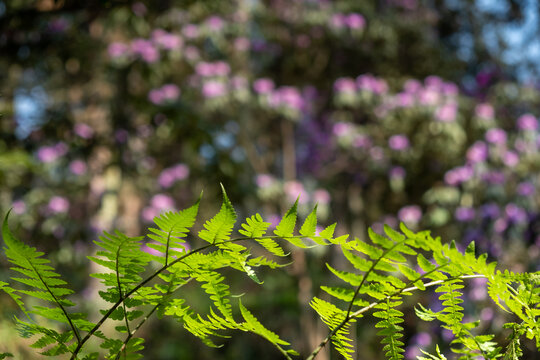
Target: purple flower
(490, 211)
(410, 214)
(478, 152)
(496, 136)
(263, 86)
(77, 167)
(515, 213)
(484, 111)
(83, 130)
(213, 89)
(58, 204)
(494, 177)
(361, 141)
(397, 172)
(446, 113)
(525, 189)
(464, 214)
(48, 154)
(19, 207)
(149, 213)
(398, 142)
(527, 122)
(190, 31)
(510, 159)
(118, 49)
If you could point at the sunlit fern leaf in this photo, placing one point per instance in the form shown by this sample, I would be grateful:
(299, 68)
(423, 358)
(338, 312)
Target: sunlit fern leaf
(213, 284)
(286, 226)
(218, 229)
(173, 227)
(309, 226)
(38, 275)
(334, 317)
(253, 325)
(391, 330)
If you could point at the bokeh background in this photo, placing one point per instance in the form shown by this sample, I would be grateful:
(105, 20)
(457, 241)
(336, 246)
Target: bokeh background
(421, 111)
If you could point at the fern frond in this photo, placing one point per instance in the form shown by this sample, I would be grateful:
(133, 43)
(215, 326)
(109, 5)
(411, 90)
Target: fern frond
(40, 276)
(173, 228)
(334, 318)
(218, 229)
(391, 330)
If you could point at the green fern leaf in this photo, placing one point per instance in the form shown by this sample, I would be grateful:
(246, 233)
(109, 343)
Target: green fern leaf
(218, 229)
(310, 224)
(253, 325)
(173, 227)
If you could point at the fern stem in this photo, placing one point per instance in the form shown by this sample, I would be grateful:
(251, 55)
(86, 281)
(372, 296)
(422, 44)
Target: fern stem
(150, 278)
(375, 303)
(120, 287)
(73, 327)
(364, 278)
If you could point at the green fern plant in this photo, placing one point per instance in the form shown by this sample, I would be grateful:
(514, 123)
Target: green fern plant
(381, 274)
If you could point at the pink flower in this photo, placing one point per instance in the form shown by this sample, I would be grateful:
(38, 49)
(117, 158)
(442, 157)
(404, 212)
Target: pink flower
(265, 180)
(410, 214)
(398, 142)
(190, 31)
(527, 122)
(263, 86)
(162, 202)
(478, 152)
(295, 189)
(342, 128)
(170, 92)
(484, 111)
(58, 204)
(213, 89)
(241, 44)
(215, 23)
(496, 136)
(48, 154)
(321, 196)
(447, 113)
(345, 84)
(145, 49)
(19, 207)
(77, 167)
(166, 40)
(355, 21)
(118, 49)
(510, 159)
(83, 130)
